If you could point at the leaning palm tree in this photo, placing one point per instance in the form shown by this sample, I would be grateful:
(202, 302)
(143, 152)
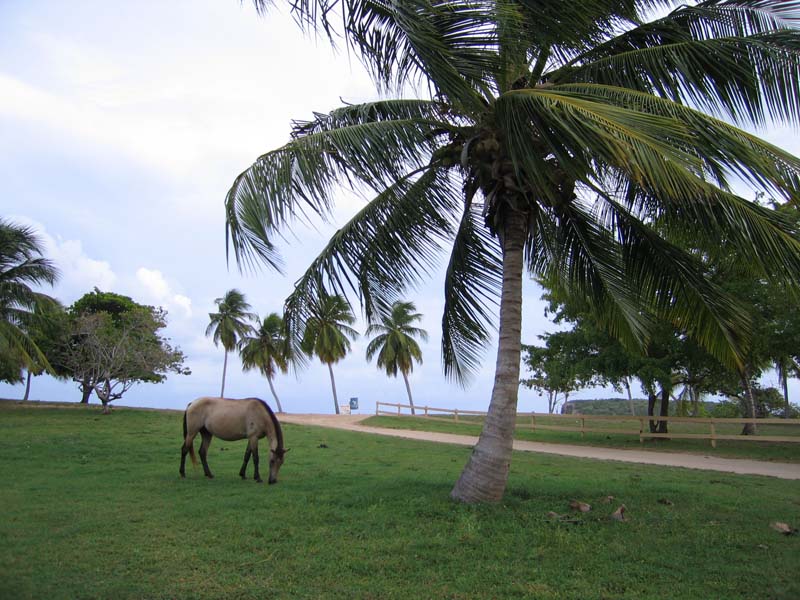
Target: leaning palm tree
(229, 324)
(395, 344)
(328, 333)
(22, 266)
(266, 349)
(572, 139)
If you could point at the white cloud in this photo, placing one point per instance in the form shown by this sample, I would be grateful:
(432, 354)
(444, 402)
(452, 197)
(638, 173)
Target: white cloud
(157, 290)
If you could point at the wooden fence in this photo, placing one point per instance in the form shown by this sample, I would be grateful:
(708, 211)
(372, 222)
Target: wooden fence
(453, 414)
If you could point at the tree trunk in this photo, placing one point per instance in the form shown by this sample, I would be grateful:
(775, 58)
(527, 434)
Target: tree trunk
(627, 385)
(785, 386)
(224, 370)
(749, 406)
(664, 412)
(333, 387)
(651, 407)
(86, 391)
(408, 391)
(27, 387)
(274, 395)
(486, 473)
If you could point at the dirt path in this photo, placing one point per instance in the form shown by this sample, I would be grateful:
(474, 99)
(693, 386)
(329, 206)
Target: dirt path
(669, 459)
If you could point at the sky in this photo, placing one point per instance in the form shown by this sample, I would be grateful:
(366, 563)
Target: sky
(122, 126)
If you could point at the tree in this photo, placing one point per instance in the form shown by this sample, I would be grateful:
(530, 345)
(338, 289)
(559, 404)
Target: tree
(110, 351)
(553, 369)
(328, 333)
(395, 345)
(267, 350)
(21, 266)
(229, 324)
(565, 137)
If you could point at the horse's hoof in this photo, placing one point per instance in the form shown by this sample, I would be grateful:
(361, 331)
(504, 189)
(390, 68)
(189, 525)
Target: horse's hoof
(209, 476)
(183, 475)
(259, 480)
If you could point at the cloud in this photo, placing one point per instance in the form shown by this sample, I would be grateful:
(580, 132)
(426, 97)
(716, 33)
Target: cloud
(156, 289)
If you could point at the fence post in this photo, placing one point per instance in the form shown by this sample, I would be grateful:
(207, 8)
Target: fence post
(426, 411)
(641, 430)
(455, 413)
(713, 435)
(376, 408)
(398, 409)
(533, 422)
(583, 427)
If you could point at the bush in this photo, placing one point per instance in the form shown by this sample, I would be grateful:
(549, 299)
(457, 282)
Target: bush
(726, 409)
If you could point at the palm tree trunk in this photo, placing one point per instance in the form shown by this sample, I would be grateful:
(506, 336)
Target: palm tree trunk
(486, 473)
(224, 369)
(333, 387)
(408, 391)
(627, 385)
(27, 387)
(274, 395)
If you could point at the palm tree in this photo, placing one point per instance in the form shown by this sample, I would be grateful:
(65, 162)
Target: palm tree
(328, 333)
(573, 139)
(266, 349)
(229, 324)
(21, 266)
(395, 344)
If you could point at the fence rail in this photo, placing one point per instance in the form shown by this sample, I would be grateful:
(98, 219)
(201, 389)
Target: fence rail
(452, 415)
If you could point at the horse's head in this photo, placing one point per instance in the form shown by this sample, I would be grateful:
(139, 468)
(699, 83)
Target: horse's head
(275, 462)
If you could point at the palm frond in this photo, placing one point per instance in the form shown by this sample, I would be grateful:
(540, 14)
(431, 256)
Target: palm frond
(737, 58)
(392, 243)
(472, 286)
(303, 176)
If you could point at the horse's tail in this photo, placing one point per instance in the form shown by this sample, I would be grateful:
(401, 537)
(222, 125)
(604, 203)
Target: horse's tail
(191, 447)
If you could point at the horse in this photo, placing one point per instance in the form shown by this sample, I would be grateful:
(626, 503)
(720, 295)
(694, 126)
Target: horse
(231, 420)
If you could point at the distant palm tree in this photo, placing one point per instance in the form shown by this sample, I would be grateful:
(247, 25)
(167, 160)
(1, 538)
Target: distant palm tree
(22, 265)
(229, 324)
(266, 349)
(395, 345)
(328, 333)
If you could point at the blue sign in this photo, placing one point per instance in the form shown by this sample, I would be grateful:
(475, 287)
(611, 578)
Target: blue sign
(353, 403)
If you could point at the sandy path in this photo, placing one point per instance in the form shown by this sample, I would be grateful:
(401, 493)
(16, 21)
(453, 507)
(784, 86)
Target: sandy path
(669, 459)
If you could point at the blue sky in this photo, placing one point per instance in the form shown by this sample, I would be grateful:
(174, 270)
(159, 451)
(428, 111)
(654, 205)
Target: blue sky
(123, 124)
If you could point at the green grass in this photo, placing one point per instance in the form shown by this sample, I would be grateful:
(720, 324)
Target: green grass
(768, 451)
(93, 508)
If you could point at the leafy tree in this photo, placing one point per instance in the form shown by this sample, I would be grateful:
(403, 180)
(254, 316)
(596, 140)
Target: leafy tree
(95, 302)
(328, 333)
(560, 137)
(229, 325)
(267, 350)
(109, 351)
(21, 266)
(395, 345)
(553, 368)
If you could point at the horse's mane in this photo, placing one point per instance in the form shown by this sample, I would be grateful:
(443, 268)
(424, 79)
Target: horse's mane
(275, 423)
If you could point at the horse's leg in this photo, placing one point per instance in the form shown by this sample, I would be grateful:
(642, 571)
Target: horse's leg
(204, 451)
(253, 449)
(242, 472)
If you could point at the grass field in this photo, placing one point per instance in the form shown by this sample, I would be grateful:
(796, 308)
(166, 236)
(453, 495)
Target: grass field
(93, 508)
(471, 425)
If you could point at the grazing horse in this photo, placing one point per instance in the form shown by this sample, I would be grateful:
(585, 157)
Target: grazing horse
(231, 420)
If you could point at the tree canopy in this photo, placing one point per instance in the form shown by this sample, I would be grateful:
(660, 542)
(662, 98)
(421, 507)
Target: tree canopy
(115, 343)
